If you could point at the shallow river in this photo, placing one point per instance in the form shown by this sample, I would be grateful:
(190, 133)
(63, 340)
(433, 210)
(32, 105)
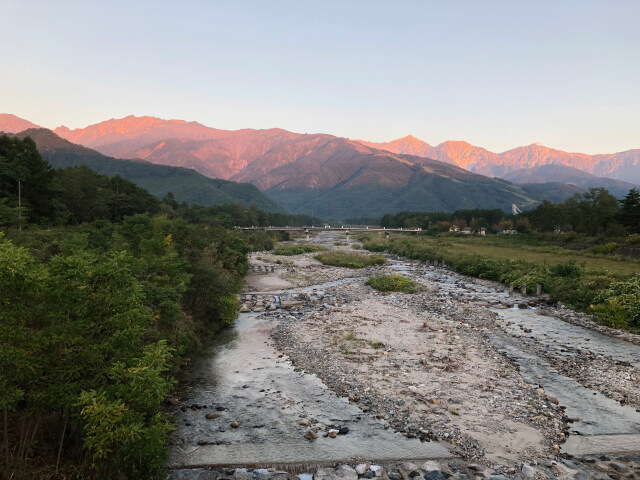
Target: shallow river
(244, 379)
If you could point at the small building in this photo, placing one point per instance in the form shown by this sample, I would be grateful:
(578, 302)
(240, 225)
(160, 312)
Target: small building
(483, 231)
(466, 231)
(454, 229)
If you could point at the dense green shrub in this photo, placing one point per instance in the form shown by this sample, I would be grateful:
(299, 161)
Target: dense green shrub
(393, 283)
(607, 248)
(619, 303)
(350, 260)
(102, 288)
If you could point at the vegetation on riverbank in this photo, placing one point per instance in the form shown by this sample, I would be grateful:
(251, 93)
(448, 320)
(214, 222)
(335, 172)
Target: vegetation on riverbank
(393, 283)
(297, 249)
(350, 260)
(103, 290)
(612, 297)
(583, 251)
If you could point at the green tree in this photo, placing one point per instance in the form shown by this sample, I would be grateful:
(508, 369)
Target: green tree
(630, 211)
(25, 178)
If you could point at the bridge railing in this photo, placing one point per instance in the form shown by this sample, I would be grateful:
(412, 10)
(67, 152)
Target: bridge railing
(332, 228)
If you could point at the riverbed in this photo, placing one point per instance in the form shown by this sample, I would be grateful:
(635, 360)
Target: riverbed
(461, 371)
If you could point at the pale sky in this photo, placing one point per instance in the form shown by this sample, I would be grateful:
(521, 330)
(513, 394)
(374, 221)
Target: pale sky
(498, 74)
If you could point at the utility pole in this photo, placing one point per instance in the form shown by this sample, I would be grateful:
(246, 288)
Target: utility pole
(19, 205)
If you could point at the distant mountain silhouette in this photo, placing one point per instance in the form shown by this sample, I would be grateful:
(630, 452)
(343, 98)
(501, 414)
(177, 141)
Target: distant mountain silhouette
(568, 175)
(621, 166)
(337, 177)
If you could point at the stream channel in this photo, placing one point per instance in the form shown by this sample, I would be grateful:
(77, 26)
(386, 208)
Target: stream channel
(244, 379)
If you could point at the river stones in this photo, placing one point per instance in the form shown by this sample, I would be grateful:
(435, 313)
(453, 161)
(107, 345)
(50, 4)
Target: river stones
(528, 472)
(345, 472)
(234, 424)
(377, 470)
(311, 435)
(601, 467)
(211, 416)
(430, 466)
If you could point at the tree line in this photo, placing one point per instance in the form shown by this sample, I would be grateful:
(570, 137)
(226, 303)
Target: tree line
(593, 213)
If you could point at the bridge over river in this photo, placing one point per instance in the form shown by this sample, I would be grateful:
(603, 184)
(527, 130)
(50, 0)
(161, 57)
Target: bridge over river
(328, 228)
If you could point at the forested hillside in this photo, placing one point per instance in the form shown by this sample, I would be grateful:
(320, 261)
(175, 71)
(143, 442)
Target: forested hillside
(103, 289)
(187, 185)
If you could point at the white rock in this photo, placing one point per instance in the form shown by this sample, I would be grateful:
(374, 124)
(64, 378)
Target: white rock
(324, 474)
(408, 467)
(361, 468)
(528, 471)
(377, 470)
(430, 466)
(345, 472)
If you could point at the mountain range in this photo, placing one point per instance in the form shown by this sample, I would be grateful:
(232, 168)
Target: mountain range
(623, 166)
(335, 177)
(186, 185)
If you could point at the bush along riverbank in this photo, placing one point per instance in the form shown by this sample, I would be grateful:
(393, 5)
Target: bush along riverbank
(614, 300)
(103, 291)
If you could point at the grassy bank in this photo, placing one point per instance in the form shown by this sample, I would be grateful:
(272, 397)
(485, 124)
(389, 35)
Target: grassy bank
(603, 286)
(532, 248)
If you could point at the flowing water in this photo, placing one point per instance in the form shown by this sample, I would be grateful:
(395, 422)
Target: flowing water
(244, 379)
(597, 414)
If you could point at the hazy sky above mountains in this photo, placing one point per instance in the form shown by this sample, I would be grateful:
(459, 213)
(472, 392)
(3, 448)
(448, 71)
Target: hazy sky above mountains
(498, 74)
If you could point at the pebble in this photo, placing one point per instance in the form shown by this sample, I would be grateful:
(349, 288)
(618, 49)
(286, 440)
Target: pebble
(430, 466)
(345, 472)
(620, 467)
(234, 424)
(435, 475)
(211, 416)
(311, 435)
(362, 468)
(601, 467)
(377, 470)
(528, 471)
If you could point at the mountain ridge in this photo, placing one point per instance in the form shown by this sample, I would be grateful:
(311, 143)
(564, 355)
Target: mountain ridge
(11, 123)
(333, 176)
(186, 185)
(623, 165)
(146, 136)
